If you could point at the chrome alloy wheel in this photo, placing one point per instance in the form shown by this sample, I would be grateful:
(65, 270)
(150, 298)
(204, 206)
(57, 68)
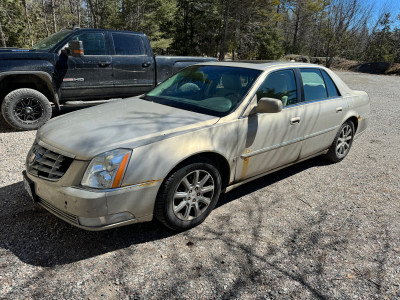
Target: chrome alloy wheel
(344, 141)
(193, 195)
(28, 110)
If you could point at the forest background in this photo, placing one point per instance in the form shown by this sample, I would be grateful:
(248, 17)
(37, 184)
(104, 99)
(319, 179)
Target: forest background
(238, 29)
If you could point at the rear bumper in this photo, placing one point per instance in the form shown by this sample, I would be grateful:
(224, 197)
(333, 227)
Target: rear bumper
(96, 209)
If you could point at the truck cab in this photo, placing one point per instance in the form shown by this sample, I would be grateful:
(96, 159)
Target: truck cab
(79, 64)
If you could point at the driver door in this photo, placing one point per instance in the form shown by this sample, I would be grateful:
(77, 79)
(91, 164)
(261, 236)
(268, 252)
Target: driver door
(90, 76)
(270, 140)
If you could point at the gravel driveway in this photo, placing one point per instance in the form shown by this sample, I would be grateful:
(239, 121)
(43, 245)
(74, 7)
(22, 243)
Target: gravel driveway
(314, 230)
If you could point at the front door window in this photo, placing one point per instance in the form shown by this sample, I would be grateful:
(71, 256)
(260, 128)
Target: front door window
(279, 85)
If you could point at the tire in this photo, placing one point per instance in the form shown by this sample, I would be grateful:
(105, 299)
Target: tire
(342, 143)
(26, 109)
(183, 204)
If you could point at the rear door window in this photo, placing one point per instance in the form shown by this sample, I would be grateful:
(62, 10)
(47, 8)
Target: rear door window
(128, 44)
(313, 84)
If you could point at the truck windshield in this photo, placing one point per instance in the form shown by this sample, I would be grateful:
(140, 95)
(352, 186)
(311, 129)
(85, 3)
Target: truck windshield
(52, 40)
(212, 90)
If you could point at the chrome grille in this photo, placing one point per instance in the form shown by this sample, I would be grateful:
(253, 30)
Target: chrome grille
(59, 213)
(47, 164)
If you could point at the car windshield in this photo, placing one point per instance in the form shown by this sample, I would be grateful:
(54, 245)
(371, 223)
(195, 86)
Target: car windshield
(52, 40)
(212, 90)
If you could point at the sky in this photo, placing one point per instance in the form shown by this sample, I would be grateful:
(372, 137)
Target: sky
(380, 6)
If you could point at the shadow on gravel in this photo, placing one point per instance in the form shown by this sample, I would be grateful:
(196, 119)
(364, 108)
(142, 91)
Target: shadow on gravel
(269, 179)
(38, 238)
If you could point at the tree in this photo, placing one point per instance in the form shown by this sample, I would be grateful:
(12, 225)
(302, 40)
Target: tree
(11, 16)
(344, 20)
(380, 47)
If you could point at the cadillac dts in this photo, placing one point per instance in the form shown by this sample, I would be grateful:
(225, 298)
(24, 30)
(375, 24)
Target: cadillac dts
(169, 153)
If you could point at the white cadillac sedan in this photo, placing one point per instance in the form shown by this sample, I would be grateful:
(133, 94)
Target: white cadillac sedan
(206, 130)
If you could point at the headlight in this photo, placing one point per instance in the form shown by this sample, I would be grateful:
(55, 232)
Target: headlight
(107, 170)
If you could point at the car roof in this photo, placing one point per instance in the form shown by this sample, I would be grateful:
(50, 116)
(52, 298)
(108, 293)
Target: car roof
(262, 66)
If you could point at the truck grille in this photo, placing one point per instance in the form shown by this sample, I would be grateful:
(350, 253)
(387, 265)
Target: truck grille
(47, 164)
(59, 213)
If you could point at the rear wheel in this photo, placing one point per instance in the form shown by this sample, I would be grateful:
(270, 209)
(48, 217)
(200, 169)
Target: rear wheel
(188, 196)
(26, 109)
(342, 142)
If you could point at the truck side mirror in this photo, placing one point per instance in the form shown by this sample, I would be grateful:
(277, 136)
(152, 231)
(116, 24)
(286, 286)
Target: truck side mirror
(267, 105)
(76, 49)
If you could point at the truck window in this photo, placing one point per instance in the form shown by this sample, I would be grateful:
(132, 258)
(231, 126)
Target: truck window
(93, 43)
(52, 40)
(128, 44)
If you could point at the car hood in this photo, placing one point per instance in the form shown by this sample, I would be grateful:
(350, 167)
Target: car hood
(12, 49)
(127, 123)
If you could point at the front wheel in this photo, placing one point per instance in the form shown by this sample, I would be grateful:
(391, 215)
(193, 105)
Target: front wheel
(26, 109)
(342, 143)
(188, 196)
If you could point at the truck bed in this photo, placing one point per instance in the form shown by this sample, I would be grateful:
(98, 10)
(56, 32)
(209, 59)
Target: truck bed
(169, 65)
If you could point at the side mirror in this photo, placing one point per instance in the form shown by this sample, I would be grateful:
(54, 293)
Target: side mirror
(268, 105)
(76, 49)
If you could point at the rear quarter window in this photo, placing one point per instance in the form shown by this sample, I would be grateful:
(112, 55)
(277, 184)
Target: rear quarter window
(330, 85)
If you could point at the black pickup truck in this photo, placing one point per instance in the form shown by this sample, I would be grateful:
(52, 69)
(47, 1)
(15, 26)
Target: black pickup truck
(79, 64)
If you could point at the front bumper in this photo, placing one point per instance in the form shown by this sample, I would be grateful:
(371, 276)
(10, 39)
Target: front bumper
(96, 209)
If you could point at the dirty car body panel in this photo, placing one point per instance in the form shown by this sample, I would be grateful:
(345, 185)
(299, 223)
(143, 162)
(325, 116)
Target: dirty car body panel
(173, 126)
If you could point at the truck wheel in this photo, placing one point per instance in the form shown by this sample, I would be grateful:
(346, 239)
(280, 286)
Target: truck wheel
(26, 109)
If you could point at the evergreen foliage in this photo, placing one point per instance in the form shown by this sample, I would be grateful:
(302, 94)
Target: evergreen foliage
(238, 29)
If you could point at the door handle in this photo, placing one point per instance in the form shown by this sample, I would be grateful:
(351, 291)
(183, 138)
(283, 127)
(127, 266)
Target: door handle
(294, 121)
(339, 109)
(104, 64)
(146, 64)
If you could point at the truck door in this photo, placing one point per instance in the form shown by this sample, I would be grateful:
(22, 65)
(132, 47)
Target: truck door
(90, 76)
(133, 65)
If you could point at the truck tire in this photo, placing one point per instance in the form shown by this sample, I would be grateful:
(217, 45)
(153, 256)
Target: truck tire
(26, 109)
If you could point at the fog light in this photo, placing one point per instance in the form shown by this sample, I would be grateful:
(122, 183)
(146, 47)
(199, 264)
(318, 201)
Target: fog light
(106, 220)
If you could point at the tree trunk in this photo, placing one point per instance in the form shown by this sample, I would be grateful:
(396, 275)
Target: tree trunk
(53, 13)
(296, 31)
(222, 49)
(186, 13)
(2, 37)
(78, 10)
(28, 22)
(46, 26)
(94, 13)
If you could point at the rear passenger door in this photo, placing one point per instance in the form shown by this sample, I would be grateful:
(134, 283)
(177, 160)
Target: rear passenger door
(324, 110)
(133, 65)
